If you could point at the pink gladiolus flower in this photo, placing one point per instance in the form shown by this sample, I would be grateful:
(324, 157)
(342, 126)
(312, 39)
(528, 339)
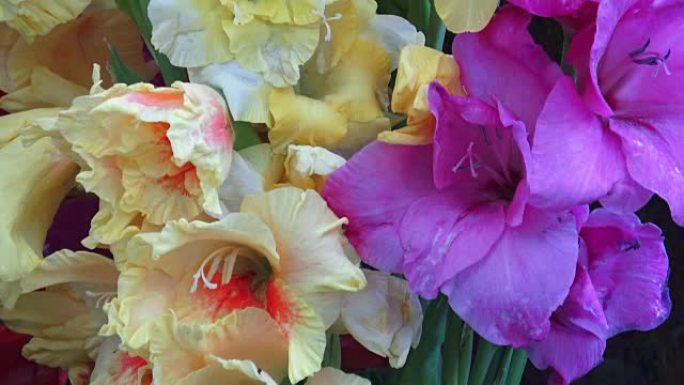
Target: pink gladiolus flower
(629, 73)
(620, 285)
(454, 216)
(552, 8)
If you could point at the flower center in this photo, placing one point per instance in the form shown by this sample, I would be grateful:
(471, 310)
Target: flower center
(225, 258)
(642, 56)
(490, 164)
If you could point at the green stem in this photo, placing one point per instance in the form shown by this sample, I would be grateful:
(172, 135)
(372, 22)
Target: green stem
(518, 363)
(505, 367)
(333, 352)
(483, 358)
(465, 355)
(451, 350)
(436, 31)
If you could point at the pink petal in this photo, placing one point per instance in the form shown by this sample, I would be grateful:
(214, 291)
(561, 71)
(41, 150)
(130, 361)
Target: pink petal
(550, 8)
(655, 159)
(576, 341)
(627, 196)
(628, 266)
(502, 60)
(509, 296)
(575, 159)
(374, 190)
(444, 234)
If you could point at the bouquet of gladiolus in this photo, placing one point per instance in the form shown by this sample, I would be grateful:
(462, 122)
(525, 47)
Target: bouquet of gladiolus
(217, 192)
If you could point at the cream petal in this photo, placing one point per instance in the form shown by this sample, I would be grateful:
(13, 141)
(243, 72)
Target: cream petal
(332, 376)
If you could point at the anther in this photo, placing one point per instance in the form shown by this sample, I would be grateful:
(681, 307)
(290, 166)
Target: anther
(483, 131)
(643, 57)
(326, 20)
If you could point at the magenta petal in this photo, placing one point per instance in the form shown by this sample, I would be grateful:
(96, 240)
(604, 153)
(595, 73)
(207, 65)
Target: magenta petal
(374, 190)
(509, 296)
(628, 266)
(654, 160)
(443, 234)
(627, 196)
(575, 159)
(576, 340)
(502, 60)
(550, 8)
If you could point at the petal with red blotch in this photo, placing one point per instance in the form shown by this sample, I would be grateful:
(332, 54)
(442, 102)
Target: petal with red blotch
(509, 296)
(373, 190)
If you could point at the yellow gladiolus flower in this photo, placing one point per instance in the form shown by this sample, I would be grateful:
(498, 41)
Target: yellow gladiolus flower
(276, 271)
(54, 69)
(269, 37)
(466, 15)
(33, 182)
(33, 18)
(150, 154)
(418, 67)
(60, 307)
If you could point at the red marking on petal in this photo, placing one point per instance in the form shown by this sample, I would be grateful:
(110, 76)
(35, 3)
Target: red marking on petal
(278, 307)
(129, 367)
(165, 100)
(218, 130)
(235, 295)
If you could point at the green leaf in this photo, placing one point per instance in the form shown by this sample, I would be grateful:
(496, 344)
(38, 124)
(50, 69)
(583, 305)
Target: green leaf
(483, 359)
(518, 363)
(505, 367)
(333, 352)
(465, 355)
(245, 136)
(423, 365)
(137, 10)
(121, 73)
(436, 31)
(451, 350)
(418, 13)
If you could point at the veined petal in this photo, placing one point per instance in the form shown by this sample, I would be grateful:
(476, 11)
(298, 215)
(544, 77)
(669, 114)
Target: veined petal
(37, 17)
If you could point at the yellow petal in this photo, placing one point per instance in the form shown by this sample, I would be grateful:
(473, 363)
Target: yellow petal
(307, 167)
(45, 89)
(360, 134)
(302, 120)
(190, 33)
(228, 372)
(37, 17)
(300, 12)
(69, 52)
(385, 317)
(309, 241)
(12, 125)
(274, 50)
(32, 186)
(267, 163)
(332, 376)
(178, 349)
(466, 15)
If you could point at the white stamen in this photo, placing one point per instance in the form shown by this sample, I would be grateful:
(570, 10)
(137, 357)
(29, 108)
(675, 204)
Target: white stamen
(338, 223)
(217, 257)
(471, 162)
(102, 297)
(326, 20)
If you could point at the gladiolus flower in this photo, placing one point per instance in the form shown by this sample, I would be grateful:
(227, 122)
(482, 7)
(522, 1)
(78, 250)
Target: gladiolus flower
(628, 75)
(455, 216)
(52, 70)
(466, 15)
(620, 285)
(276, 270)
(150, 154)
(551, 8)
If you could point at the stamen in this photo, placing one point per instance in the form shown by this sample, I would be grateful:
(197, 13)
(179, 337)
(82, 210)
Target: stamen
(217, 258)
(326, 20)
(483, 130)
(651, 58)
(471, 163)
(337, 224)
(629, 246)
(102, 297)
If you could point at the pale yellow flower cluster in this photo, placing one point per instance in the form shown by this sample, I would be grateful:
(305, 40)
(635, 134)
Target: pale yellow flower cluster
(223, 267)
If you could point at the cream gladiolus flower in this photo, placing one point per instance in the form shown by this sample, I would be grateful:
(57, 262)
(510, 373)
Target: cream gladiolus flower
(466, 15)
(54, 69)
(385, 317)
(150, 154)
(308, 167)
(60, 307)
(271, 37)
(418, 67)
(332, 376)
(276, 271)
(33, 183)
(33, 18)
(116, 367)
